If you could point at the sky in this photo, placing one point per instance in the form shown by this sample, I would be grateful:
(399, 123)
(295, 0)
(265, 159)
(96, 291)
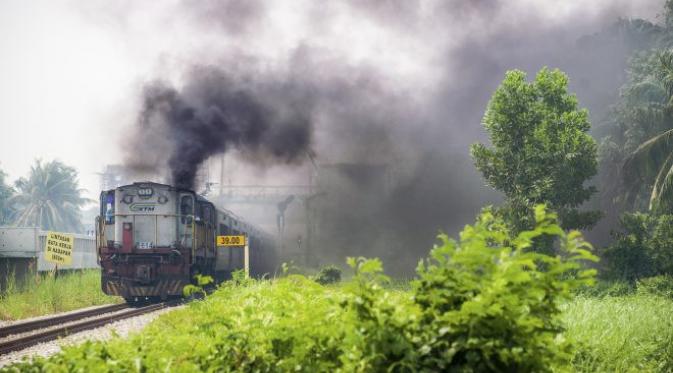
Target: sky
(71, 73)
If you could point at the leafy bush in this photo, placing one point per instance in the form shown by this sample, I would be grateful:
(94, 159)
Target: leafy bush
(642, 249)
(197, 289)
(384, 333)
(491, 303)
(657, 285)
(328, 275)
(486, 303)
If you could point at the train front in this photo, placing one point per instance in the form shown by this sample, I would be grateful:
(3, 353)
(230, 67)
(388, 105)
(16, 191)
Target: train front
(144, 239)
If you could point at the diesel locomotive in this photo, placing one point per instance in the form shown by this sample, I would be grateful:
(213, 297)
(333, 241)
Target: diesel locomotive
(153, 239)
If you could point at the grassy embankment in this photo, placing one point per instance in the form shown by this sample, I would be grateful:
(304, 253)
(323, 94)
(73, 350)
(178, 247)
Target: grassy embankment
(632, 333)
(44, 294)
(294, 324)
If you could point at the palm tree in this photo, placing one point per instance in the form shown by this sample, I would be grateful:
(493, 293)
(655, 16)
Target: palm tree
(49, 198)
(651, 163)
(6, 192)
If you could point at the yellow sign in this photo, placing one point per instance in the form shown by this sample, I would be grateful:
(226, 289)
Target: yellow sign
(58, 248)
(231, 240)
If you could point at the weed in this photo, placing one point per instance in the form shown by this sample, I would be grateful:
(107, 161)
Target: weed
(45, 294)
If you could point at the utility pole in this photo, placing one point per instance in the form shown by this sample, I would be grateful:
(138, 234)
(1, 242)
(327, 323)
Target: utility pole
(222, 172)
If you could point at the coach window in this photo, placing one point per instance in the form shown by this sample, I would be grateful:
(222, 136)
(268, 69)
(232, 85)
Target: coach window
(186, 209)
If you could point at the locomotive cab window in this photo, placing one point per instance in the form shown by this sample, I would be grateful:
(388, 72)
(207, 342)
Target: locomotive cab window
(186, 209)
(108, 206)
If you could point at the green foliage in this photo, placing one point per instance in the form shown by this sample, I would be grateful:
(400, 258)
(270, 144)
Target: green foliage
(642, 249)
(45, 294)
(328, 275)
(384, 329)
(541, 150)
(202, 280)
(486, 303)
(657, 285)
(491, 303)
(197, 289)
(642, 113)
(50, 198)
(288, 268)
(645, 115)
(240, 278)
(621, 334)
(637, 116)
(604, 288)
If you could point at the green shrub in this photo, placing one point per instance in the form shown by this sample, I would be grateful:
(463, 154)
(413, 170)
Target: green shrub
(657, 285)
(328, 275)
(642, 249)
(196, 289)
(384, 332)
(491, 303)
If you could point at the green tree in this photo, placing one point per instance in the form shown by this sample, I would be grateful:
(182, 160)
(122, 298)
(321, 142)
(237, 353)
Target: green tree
(6, 193)
(637, 116)
(541, 151)
(50, 198)
(650, 166)
(642, 247)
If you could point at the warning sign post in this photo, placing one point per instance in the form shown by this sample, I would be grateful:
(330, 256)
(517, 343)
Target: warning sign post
(58, 248)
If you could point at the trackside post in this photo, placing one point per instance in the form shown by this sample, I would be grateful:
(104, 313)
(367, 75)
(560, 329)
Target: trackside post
(240, 241)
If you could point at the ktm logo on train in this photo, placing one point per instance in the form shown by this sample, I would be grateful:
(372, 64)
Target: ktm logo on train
(142, 207)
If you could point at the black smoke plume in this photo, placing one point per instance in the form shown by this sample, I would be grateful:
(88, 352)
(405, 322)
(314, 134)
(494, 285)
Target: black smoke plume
(212, 113)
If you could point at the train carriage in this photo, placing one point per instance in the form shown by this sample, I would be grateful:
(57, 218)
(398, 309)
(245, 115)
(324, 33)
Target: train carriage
(152, 240)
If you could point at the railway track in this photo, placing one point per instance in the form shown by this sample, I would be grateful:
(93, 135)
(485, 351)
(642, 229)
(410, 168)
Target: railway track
(48, 329)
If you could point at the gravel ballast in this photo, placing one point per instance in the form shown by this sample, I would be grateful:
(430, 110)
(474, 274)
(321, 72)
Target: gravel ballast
(122, 328)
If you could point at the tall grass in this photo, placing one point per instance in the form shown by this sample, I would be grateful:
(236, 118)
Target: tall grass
(46, 294)
(621, 334)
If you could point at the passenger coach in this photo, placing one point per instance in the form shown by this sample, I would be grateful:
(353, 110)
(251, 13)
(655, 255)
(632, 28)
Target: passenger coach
(153, 239)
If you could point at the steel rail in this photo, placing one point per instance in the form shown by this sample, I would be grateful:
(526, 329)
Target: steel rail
(62, 331)
(26, 326)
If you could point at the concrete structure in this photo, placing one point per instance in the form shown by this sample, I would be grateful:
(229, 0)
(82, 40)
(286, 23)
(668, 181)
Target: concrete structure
(22, 253)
